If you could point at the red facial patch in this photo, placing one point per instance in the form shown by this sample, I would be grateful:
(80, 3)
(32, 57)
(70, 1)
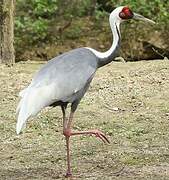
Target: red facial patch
(126, 13)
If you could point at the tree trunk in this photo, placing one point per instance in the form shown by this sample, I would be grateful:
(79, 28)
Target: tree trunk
(7, 55)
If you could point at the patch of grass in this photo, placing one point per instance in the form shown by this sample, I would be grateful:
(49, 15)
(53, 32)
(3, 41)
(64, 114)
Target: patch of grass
(125, 101)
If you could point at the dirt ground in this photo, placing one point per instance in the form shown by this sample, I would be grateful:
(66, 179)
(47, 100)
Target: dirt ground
(128, 101)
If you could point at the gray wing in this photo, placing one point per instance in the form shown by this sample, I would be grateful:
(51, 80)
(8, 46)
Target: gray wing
(65, 75)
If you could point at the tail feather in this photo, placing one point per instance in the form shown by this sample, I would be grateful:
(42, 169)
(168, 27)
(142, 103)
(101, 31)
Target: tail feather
(26, 108)
(33, 100)
(21, 123)
(22, 113)
(19, 107)
(21, 94)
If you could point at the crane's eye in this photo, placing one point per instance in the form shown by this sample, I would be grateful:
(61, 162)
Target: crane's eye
(126, 13)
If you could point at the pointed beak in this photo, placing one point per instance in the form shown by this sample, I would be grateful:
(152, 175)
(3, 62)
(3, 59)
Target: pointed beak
(142, 18)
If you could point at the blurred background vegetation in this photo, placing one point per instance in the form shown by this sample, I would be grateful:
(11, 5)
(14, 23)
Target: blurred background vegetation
(46, 28)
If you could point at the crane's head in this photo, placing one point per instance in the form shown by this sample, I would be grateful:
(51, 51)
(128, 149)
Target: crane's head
(124, 13)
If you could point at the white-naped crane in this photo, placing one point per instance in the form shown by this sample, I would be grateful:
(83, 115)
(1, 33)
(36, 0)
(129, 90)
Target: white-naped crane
(66, 78)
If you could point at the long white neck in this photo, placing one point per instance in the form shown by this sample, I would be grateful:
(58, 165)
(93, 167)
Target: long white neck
(108, 56)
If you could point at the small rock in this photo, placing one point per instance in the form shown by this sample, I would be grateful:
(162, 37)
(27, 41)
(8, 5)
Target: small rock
(165, 59)
(115, 108)
(102, 46)
(121, 59)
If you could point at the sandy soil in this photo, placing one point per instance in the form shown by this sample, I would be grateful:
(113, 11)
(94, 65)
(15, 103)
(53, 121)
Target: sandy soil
(127, 101)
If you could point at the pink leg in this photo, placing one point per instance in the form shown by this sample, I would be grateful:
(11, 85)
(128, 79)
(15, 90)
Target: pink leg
(67, 137)
(68, 173)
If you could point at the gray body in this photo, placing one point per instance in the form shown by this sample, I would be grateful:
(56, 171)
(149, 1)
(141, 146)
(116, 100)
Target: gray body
(72, 72)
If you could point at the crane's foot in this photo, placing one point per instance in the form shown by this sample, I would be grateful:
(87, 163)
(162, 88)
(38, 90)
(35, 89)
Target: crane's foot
(95, 132)
(100, 135)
